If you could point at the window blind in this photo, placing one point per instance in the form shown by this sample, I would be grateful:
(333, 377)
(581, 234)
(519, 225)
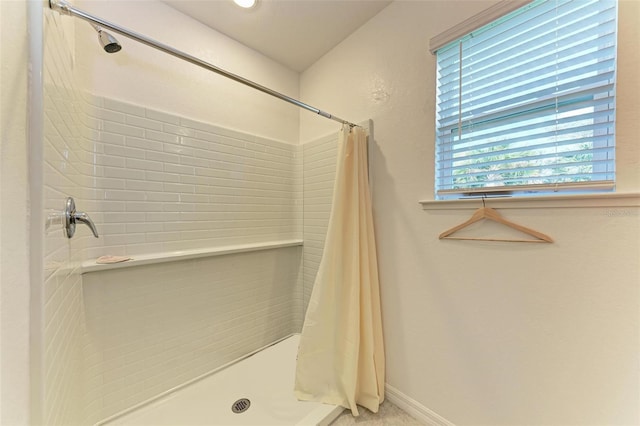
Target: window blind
(527, 102)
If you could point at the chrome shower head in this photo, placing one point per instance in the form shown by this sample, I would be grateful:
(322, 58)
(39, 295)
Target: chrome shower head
(107, 41)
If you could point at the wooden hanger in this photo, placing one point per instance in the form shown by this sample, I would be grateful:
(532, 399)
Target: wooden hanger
(491, 214)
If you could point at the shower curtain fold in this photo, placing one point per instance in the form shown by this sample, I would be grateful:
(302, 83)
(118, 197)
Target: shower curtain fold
(341, 353)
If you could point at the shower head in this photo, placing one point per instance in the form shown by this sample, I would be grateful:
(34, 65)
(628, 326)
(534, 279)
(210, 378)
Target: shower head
(107, 41)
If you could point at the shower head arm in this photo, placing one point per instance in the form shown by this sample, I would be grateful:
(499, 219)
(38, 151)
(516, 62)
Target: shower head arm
(65, 8)
(61, 6)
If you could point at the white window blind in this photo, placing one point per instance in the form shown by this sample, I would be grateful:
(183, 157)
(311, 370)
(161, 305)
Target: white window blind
(526, 103)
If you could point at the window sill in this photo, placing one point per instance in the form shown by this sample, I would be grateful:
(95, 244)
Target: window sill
(630, 199)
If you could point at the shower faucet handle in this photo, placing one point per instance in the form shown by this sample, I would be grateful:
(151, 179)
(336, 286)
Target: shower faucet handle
(71, 216)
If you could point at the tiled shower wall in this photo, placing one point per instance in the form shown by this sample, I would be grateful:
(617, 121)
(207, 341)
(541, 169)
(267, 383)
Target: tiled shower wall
(319, 169)
(61, 309)
(163, 183)
(157, 182)
(166, 174)
(154, 182)
(151, 328)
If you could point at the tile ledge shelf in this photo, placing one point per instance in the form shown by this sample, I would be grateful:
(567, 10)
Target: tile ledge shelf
(620, 199)
(147, 259)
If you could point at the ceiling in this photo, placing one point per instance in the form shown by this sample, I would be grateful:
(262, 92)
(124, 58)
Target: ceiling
(295, 33)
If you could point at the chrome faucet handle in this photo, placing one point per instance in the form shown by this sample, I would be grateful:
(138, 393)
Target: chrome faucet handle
(71, 216)
(84, 218)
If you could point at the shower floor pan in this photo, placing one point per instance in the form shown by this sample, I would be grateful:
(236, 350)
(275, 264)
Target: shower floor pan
(265, 379)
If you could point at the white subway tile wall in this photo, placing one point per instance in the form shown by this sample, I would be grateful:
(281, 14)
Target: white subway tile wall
(63, 323)
(155, 182)
(163, 183)
(151, 328)
(319, 169)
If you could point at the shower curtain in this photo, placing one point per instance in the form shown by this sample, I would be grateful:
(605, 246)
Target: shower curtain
(341, 353)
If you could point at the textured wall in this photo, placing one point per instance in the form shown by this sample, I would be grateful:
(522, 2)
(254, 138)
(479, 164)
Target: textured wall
(481, 332)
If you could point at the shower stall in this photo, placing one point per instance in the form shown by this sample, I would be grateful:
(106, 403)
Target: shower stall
(199, 181)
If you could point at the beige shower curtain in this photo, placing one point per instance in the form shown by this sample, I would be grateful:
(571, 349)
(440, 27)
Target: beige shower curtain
(341, 353)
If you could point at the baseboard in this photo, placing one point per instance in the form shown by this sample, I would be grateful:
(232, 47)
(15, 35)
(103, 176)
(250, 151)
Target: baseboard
(414, 408)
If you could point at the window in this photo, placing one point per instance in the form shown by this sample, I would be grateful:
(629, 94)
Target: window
(526, 103)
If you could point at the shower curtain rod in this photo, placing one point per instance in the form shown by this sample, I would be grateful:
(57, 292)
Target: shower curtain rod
(65, 8)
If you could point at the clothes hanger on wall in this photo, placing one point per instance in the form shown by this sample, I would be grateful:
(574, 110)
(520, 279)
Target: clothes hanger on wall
(485, 212)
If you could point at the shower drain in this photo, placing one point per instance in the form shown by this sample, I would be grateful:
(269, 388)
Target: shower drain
(241, 405)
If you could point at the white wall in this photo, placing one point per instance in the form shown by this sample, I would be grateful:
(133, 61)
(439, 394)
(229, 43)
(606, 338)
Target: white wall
(144, 76)
(14, 236)
(489, 333)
